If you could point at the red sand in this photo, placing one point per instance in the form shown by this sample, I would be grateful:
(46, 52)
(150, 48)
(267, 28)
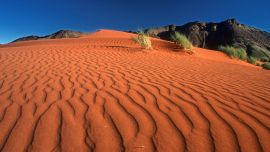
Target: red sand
(101, 92)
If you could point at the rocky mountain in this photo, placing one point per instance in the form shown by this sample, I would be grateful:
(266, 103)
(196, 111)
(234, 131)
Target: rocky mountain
(58, 35)
(211, 35)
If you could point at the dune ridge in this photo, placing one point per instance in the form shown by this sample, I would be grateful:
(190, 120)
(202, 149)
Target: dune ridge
(100, 92)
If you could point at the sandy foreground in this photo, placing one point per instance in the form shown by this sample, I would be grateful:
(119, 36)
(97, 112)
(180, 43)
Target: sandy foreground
(101, 92)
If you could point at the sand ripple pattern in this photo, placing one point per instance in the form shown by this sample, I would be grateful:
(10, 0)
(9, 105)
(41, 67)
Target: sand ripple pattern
(101, 96)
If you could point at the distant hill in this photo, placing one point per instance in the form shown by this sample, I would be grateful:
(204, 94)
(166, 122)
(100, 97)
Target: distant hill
(58, 35)
(211, 35)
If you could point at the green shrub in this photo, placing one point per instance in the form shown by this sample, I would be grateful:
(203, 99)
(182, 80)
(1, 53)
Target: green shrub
(264, 59)
(143, 39)
(233, 52)
(252, 60)
(266, 65)
(182, 41)
(258, 52)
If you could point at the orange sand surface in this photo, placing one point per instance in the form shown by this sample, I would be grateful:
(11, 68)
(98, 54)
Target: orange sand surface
(102, 92)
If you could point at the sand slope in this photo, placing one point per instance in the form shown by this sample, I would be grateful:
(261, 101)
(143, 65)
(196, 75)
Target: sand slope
(102, 93)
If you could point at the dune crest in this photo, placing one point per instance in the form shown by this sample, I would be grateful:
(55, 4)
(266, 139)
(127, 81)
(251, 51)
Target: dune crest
(100, 92)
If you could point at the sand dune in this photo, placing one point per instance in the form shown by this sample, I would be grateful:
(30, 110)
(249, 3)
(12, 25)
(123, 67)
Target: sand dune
(101, 92)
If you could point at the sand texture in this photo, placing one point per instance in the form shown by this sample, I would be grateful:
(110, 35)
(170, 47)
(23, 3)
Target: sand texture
(102, 92)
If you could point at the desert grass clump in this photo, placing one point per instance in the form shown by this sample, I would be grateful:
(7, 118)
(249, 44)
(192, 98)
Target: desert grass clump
(258, 64)
(233, 52)
(182, 41)
(258, 52)
(252, 60)
(143, 39)
(266, 65)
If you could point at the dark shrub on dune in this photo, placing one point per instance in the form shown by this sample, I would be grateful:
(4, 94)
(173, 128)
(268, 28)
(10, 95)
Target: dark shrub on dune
(266, 65)
(252, 60)
(234, 52)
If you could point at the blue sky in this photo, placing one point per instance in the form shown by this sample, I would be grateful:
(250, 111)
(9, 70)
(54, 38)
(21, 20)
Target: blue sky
(40, 17)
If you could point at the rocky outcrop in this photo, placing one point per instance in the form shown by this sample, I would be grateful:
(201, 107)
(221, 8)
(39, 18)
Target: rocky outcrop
(211, 35)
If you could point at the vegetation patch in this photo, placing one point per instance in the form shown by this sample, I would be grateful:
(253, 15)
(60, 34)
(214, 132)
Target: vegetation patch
(259, 52)
(234, 52)
(182, 41)
(143, 40)
(266, 65)
(252, 60)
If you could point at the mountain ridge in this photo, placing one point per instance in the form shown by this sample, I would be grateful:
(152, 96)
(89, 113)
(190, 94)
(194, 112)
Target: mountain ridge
(211, 35)
(57, 35)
